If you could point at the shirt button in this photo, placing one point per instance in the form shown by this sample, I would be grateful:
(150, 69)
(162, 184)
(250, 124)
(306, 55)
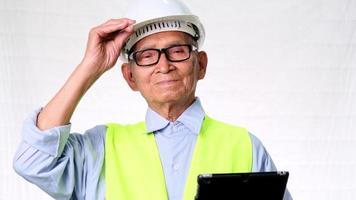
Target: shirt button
(175, 167)
(171, 127)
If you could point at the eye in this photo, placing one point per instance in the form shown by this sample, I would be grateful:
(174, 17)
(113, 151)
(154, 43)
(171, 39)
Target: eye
(147, 54)
(177, 50)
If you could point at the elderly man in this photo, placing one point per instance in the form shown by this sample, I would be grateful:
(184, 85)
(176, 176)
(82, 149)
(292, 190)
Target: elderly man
(156, 159)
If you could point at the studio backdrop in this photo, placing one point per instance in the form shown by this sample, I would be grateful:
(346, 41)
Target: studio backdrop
(284, 69)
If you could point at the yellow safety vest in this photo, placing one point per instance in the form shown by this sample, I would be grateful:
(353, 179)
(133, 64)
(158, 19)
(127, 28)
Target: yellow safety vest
(133, 170)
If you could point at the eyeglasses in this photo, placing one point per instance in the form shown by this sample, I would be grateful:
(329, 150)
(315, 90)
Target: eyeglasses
(176, 53)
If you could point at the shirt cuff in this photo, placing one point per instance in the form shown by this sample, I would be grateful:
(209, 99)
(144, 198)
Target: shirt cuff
(51, 141)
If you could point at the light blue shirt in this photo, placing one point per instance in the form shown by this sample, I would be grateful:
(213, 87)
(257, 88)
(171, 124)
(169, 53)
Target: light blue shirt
(71, 166)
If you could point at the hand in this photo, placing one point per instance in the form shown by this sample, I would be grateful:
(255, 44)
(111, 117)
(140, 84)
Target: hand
(103, 49)
(105, 43)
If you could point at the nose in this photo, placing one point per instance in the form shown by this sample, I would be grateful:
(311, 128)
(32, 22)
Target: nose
(164, 65)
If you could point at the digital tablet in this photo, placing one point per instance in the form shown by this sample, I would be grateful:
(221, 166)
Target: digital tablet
(244, 186)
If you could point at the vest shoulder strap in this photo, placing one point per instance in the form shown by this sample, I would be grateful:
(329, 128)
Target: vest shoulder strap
(220, 148)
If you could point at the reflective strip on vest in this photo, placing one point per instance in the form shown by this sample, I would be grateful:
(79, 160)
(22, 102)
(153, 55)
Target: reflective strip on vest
(133, 169)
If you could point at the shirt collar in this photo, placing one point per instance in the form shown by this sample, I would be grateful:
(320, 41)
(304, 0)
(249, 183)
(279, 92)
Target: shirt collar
(192, 118)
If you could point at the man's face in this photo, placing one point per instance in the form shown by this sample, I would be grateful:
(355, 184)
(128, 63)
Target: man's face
(166, 81)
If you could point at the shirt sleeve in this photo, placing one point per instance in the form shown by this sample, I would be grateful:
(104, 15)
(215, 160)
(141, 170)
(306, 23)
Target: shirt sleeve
(58, 162)
(262, 161)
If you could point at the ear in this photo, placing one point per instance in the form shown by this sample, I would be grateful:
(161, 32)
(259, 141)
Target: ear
(203, 63)
(127, 74)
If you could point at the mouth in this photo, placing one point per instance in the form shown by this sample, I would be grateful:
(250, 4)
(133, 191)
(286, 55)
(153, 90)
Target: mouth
(166, 82)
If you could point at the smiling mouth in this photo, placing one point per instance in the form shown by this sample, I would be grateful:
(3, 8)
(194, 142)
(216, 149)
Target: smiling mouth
(166, 82)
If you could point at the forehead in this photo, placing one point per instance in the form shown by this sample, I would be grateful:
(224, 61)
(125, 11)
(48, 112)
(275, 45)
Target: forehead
(163, 39)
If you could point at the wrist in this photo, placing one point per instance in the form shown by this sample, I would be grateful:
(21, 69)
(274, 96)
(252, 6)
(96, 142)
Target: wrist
(82, 78)
(89, 71)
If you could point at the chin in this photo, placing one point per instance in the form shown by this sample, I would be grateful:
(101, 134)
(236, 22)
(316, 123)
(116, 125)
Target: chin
(172, 96)
(166, 99)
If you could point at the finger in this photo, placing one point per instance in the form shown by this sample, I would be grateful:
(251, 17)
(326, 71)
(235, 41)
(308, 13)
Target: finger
(107, 29)
(118, 21)
(118, 36)
(121, 38)
(113, 25)
(109, 26)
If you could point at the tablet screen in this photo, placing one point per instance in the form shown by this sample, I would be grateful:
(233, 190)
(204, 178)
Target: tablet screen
(244, 186)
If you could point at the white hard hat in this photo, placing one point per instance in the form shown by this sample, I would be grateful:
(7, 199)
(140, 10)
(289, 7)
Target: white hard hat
(154, 16)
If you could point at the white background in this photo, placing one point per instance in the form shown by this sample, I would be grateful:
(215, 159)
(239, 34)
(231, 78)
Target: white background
(285, 69)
